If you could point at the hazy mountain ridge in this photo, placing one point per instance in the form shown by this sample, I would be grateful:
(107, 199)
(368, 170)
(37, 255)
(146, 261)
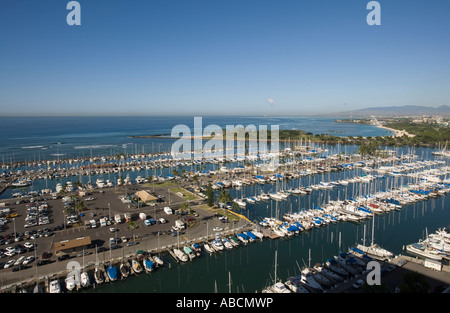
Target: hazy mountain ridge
(405, 110)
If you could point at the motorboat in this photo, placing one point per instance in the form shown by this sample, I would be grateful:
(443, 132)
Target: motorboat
(85, 280)
(112, 272)
(332, 277)
(308, 280)
(226, 242)
(294, 284)
(136, 266)
(197, 248)
(190, 253)
(54, 286)
(158, 260)
(98, 275)
(124, 269)
(333, 266)
(217, 244)
(257, 233)
(149, 266)
(421, 250)
(20, 183)
(70, 282)
(278, 287)
(208, 248)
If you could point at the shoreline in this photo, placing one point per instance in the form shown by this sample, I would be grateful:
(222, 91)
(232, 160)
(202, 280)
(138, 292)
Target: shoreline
(397, 133)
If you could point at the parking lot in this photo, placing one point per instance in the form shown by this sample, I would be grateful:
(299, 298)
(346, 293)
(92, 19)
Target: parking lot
(103, 205)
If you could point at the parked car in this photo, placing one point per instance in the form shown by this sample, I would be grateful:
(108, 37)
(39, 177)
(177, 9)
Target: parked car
(63, 257)
(19, 260)
(132, 243)
(358, 284)
(46, 255)
(28, 245)
(28, 260)
(9, 263)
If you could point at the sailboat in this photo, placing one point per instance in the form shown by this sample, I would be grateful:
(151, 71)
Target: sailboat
(278, 286)
(374, 249)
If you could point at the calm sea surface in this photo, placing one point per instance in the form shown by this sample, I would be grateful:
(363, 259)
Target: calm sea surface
(44, 138)
(251, 268)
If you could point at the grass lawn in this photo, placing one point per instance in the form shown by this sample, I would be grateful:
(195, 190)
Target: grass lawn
(187, 195)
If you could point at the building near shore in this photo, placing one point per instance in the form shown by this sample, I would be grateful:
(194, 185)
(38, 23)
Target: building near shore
(146, 197)
(72, 245)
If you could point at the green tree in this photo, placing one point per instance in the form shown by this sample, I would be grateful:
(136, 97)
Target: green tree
(369, 148)
(79, 206)
(184, 207)
(224, 197)
(210, 195)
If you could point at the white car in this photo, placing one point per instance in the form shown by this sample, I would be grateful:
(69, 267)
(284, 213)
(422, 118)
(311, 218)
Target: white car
(28, 245)
(10, 253)
(217, 229)
(19, 260)
(9, 263)
(28, 260)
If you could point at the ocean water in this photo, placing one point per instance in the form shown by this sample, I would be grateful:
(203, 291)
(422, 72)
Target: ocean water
(47, 138)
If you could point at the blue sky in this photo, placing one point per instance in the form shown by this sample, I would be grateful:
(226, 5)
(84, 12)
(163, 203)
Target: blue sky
(202, 57)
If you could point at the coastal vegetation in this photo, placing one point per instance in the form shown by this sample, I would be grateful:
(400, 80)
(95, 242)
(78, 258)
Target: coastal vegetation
(426, 132)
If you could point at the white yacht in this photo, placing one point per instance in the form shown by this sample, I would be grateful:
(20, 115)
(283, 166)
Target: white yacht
(70, 282)
(375, 250)
(55, 286)
(85, 280)
(208, 248)
(421, 250)
(180, 255)
(217, 244)
(308, 280)
(277, 288)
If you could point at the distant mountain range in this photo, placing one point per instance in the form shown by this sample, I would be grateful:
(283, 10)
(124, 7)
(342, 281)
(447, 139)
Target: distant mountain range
(405, 110)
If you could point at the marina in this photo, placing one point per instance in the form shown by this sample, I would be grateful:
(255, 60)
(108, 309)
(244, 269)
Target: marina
(317, 191)
(357, 209)
(239, 147)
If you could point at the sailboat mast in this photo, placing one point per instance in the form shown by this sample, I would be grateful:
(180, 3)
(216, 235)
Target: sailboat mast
(373, 227)
(276, 266)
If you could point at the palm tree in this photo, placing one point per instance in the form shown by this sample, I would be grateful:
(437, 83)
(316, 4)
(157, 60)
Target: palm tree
(224, 197)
